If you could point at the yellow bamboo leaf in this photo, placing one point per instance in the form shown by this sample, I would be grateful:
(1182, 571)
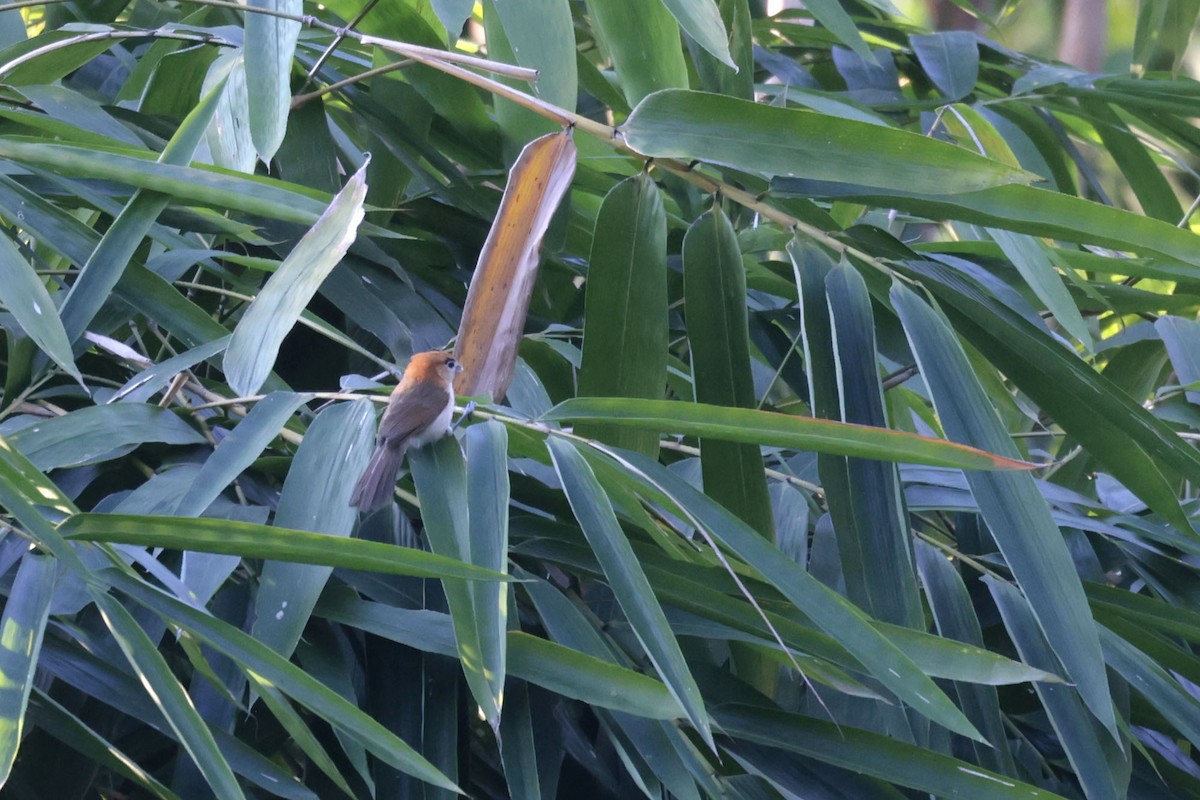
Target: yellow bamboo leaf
(498, 300)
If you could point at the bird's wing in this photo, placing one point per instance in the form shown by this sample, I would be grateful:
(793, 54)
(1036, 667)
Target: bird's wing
(412, 411)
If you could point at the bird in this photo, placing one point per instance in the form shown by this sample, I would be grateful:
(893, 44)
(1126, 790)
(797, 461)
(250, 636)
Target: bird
(418, 412)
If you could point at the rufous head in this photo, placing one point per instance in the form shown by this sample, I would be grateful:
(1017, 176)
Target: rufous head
(437, 366)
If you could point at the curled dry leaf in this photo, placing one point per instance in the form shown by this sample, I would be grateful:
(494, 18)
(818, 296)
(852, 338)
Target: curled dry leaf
(498, 300)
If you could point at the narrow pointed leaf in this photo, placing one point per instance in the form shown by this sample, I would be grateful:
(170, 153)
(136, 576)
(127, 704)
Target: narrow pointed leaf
(836, 616)
(170, 697)
(440, 475)
(270, 45)
(24, 295)
(264, 541)
(90, 433)
(782, 142)
(950, 59)
(780, 430)
(23, 625)
(701, 19)
(267, 665)
(625, 322)
(884, 579)
(314, 498)
(1099, 763)
(487, 501)
(595, 515)
(108, 261)
(644, 41)
(1014, 510)
(714, 288)
(493, 317)
(260, 332)
(872, 754)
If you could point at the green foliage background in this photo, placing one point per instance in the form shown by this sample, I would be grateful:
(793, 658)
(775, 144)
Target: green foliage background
(663, 566)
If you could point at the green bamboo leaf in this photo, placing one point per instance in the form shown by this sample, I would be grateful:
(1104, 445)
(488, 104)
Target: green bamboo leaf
(237, 451)
(73, 732)
(263, 541)
(1148, 676)
(24, 623)
(872, 754)
(569, 670)
(1024, 209)
(779, 430)
(104, 267)
(97, 433)
(26, 298)
(731, 74)
(1182, 339)
(314, 498)
(260, 332)
(877, 557)
(542, 37)
(643, 39)
(440, 476)
(270, 43)
(228, 135)
(782, 142)
(167, 693)
(832, 613)
(575, 674)
(267, 665)
(714, 288)
(1032, 261)
(950, 59)
(299, 732)
(1014, 510)
(150, 381)
(487, 501)
(1155, 193)
(1139, 449)
(954, 615)
(625, 321)
(206, 186)
(702, 21)
(595, 515)
(1101, 765)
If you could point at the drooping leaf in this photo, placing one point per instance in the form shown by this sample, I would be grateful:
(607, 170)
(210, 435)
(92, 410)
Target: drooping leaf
(625, 326)
(1015, 512)
(714, 287)
(493, 317)
(270, 45)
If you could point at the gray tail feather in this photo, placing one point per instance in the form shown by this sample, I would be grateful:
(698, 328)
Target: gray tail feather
(378, 482)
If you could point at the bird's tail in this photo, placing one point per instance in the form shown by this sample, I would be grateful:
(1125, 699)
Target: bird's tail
(374, 489)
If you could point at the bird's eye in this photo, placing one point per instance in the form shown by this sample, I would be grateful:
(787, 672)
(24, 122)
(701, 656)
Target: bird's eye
(451, 363)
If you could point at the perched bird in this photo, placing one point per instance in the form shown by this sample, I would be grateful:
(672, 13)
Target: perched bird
(418, 412)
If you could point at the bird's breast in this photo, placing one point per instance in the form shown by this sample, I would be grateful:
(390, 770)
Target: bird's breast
(436, 429)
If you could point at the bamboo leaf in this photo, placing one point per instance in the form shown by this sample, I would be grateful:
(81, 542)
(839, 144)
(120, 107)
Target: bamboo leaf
(24, 624)
(1015, 512)
(770, 429)
(262, 541)
(625, 327)
(493, 317)
(789, 143)
(628, 581)
(269, 46)
(714, 288)
(260, 332)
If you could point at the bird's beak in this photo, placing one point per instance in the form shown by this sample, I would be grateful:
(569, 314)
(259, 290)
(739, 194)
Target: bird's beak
(458, 368)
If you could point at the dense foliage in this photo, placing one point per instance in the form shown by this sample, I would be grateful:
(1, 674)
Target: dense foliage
(663, 564)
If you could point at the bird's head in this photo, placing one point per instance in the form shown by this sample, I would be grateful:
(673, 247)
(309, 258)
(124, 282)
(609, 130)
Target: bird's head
(436, 366)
